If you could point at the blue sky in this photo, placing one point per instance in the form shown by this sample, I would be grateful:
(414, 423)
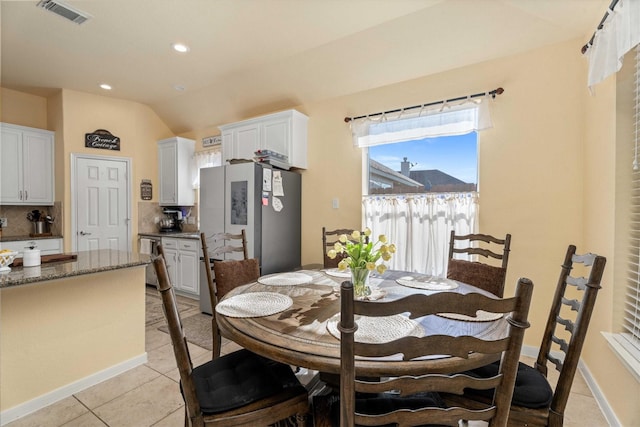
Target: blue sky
(454, 155)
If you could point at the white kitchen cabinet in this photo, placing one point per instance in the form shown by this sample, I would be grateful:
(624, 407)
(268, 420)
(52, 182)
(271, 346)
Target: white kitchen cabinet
(46, 246)
(284, 133)
(175, 165)
(183, 259)
(26, 166)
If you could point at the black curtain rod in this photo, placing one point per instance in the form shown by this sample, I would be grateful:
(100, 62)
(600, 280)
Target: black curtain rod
(604, 18)
(493, 93)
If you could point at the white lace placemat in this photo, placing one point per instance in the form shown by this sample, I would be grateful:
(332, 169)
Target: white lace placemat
(432, 284)
(481, 316)
(379, 329)
(285, 279)
(254, 304)
(337, 273)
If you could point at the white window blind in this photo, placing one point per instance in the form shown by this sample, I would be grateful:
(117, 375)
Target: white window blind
(631, 323)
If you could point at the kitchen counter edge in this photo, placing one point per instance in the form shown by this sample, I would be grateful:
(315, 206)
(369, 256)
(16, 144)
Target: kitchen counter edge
(19, 238)
(172, 234)
(88, 262)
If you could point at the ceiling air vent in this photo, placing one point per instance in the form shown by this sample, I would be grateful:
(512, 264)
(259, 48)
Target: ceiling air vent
(66, 11)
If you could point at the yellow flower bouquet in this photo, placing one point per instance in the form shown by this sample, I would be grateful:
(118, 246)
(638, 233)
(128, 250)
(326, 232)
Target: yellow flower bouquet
(361, 258)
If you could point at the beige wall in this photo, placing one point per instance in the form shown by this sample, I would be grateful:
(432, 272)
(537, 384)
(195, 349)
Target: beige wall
(530, 163)
(59, 332)
(546, 176)
(138, 127)
(23, 109)
(546, 171)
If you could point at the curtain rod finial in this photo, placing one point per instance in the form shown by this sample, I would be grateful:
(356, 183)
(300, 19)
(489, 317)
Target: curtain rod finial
(347, 119)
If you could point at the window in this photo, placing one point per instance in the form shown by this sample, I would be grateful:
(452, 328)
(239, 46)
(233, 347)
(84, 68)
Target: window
(421, 179)
(625, 341)
(446, 164)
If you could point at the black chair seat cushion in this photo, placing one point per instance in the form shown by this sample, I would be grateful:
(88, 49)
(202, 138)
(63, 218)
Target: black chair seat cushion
(240, 378)
(532, 390)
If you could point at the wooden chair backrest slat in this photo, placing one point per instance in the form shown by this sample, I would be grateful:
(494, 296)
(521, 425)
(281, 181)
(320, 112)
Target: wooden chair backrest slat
(484, 276)
(515, 309)
(219, 249)
(573, 331)
(178, 338)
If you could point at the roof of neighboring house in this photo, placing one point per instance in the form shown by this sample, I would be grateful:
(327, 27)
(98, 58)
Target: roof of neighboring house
(376, 168)
(432, 177)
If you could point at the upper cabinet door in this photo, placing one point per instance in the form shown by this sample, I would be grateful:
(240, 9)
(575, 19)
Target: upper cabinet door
(38, 167)
(175, 172)
(11, 187)
(284, 133)
(26, 166)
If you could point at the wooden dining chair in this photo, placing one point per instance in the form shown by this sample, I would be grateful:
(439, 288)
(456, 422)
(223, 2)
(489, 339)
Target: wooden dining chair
(479, 274)
(414, 400)
(535, 402)
(221, 245)
(329, 238)
(237, 389)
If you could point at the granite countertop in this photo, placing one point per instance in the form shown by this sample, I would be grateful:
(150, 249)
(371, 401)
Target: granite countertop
(88, 262)
(26, 237)
(174, 234)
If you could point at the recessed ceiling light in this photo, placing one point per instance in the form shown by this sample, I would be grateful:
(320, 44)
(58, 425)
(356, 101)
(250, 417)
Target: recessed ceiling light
(179, 47)
(179, 88)
(105, 86)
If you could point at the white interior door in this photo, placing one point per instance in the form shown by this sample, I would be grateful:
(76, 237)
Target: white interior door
(101, 203)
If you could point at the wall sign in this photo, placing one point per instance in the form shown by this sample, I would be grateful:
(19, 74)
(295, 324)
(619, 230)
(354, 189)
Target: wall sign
(102, 139)
(210, 141)
(146, 189)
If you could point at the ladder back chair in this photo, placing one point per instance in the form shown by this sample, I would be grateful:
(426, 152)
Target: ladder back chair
(481, 275)
(237, 389)
(535, 402)
(414, 400)
(329, 238)
(221, 245)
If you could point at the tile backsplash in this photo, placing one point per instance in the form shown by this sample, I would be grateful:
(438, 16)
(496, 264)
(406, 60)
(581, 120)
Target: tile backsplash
(19, 225)
(149, 211)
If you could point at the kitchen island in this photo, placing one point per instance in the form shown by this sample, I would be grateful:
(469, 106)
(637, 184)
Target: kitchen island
(66, 326)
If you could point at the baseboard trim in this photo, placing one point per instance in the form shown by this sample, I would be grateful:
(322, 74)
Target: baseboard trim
(601, 400)
(47, 399)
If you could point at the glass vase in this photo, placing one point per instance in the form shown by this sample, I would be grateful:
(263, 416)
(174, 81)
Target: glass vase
(360, 280)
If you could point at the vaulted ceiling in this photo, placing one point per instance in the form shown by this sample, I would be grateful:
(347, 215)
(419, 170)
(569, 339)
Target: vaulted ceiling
(255, 56)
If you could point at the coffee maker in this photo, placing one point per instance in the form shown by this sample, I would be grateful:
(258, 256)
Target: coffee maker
(172, 221)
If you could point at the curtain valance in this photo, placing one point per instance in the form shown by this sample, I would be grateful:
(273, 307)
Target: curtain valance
(427, 122)
(618, 34)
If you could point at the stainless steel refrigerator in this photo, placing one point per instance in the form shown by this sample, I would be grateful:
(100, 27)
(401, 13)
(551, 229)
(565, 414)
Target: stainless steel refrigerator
(265, 202)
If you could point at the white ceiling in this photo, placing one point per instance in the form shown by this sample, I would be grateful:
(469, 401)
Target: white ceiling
(256, 56)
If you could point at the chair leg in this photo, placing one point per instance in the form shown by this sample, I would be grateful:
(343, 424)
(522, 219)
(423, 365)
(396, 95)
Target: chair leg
(217, 340)
(301, 420)
(555, 419)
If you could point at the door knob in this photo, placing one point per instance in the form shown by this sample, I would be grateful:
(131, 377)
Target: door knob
(82, 233)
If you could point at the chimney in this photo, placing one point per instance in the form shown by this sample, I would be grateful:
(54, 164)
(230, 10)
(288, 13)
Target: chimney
(404, 167)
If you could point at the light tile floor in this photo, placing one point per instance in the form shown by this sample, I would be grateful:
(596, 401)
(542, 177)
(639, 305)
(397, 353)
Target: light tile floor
(149, 395)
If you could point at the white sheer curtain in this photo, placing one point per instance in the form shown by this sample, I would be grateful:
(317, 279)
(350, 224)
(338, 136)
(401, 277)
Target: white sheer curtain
(620, 32)
(420, 226)
(205, 159)
(459, 118)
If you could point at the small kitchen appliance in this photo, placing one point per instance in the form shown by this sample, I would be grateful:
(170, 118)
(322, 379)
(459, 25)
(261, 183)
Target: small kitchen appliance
(172, 220)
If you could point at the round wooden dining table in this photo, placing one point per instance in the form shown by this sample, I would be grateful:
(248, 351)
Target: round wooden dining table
(299, 336)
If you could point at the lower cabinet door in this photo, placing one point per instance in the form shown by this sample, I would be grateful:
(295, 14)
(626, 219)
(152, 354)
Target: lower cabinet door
(188, 266)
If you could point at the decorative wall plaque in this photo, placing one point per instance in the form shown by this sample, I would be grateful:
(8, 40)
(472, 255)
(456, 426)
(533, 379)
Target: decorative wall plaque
(146, 189)
(102, 139)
